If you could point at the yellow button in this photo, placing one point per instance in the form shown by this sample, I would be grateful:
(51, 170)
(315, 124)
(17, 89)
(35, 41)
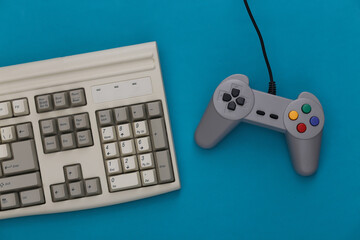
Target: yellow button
(293, 115)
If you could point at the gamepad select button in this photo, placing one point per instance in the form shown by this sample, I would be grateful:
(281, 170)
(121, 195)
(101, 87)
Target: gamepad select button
(301, 127)
(314, 121)
(306, 108)
(293, 115)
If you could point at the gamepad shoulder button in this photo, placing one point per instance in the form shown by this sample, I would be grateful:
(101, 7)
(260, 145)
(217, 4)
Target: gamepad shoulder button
(306, 108)
(293, 115)
(226, 97)
(240, 101)
(235, 92)
(231, 106)
(314, 121)
(301, 127)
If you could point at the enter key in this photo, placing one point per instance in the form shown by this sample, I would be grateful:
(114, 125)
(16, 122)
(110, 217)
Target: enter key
(24, 160)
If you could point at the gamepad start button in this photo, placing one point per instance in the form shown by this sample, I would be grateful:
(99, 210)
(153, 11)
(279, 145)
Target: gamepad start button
(293, 115)
(301, 127)
(314, 121)
(306, 108)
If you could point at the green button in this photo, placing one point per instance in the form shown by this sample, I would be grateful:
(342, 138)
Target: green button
(306, 108)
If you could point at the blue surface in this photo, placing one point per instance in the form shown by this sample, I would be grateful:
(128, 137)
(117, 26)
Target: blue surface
(245, 188)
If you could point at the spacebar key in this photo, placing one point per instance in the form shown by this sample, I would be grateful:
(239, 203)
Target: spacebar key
(20, 182)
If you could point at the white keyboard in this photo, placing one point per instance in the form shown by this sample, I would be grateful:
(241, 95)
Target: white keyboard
(84, 131)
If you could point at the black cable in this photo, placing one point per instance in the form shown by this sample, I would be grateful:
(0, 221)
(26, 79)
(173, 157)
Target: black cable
(272, 84)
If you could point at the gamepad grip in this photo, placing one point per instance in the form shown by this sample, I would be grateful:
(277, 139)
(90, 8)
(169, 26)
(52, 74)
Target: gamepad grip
(302, 120)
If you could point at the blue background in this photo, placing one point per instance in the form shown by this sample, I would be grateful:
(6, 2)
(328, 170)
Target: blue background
(245, 188)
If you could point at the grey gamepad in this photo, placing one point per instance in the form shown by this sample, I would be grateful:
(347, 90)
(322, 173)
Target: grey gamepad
(302, 120)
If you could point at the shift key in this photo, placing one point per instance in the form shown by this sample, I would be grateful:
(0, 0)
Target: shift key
(14, 183)
(25, 158)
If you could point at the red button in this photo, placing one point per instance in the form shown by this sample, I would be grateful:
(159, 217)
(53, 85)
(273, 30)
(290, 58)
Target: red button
(301, 127)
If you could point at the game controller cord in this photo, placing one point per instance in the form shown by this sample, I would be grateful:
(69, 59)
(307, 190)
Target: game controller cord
(272, 84)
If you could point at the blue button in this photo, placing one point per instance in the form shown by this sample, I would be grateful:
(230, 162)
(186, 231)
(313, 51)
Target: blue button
(314, 121)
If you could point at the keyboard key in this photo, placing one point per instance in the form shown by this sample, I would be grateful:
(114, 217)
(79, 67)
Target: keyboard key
(105, 117)
(5, 152)
(48, 127)
(113, 166)
(20, 107)
(65, 124)
(76, 189)
(5, 110)
(9, 201)
(143, 144)
(24, 160)
(24, 131)
(61, 100)
(43, 103)
(124, 181)
(20, 182)
(32, 197)
(164, 167)
(77, 98)
(92, 186)
(154, 109)
(129, 163)
(141, 128)
(111, 150)
(146, 161)
(127, 147)
(138, 112)
(73, 172)
(158, 133)
(1, 174)
(84, 138)
(124, 131)
(108, 134)
(121, 115)
(8, 134)
(59, 192)
(148, 177)
(82, 121)
(51, 144)
(67, 141)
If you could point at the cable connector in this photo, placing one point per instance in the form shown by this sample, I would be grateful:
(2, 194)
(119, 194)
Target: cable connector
(272, 88)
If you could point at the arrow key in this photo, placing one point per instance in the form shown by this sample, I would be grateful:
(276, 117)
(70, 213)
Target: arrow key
(76, 189)
(73, 172)
(59, 192)
(92, 186)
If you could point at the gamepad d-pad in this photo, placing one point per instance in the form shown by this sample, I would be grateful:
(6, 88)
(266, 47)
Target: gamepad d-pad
(233, 98)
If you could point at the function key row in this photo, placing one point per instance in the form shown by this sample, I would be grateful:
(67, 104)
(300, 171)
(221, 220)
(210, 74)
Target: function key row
(66, 133)
(60, 100)
(14, 108)
(75, 186)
